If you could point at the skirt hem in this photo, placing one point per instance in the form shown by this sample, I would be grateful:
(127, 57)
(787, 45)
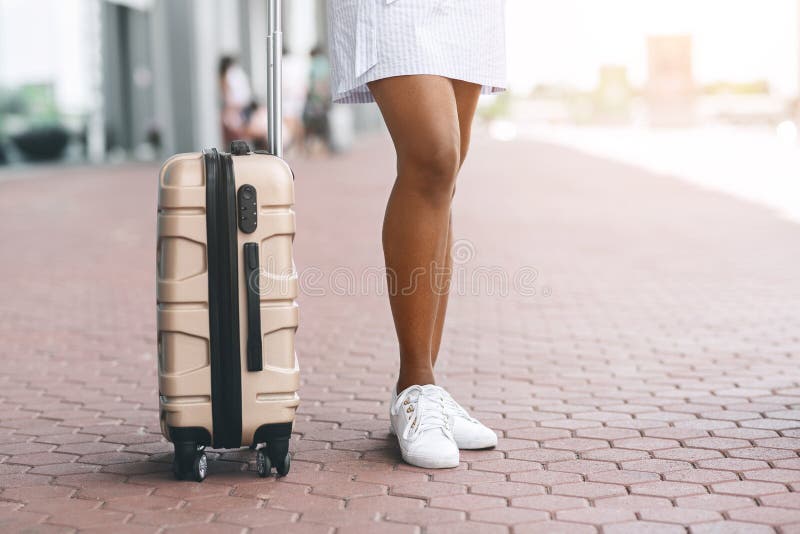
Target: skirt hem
(360, 94)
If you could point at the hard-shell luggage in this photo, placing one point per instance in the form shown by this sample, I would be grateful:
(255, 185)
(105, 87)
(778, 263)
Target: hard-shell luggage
(227, 369)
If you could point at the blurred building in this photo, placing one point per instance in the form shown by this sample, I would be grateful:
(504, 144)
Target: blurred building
(613, 95)
(126, 79)
(670, 88)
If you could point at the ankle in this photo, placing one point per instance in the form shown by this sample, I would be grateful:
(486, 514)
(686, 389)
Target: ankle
(412, 377)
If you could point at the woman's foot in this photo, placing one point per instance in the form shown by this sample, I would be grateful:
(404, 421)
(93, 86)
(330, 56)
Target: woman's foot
(423, 428)
(468, 432)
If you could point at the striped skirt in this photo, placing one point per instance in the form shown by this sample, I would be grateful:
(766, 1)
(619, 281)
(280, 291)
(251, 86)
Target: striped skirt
(374, 39)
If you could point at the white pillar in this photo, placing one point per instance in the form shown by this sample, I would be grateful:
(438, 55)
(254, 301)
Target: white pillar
(95, 131)
(206, 54)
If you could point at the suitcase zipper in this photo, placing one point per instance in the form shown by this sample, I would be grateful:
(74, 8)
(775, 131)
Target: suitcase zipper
(223, 297)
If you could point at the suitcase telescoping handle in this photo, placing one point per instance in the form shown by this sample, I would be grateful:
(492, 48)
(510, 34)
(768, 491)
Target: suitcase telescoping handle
(274, 93)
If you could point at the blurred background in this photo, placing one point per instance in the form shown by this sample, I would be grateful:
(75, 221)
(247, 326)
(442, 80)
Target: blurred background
(676, 86)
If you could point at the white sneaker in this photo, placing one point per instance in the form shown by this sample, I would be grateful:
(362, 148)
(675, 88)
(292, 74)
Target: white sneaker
(468, 432)
(423, 429)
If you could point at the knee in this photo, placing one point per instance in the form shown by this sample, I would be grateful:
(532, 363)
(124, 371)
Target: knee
(431, 170)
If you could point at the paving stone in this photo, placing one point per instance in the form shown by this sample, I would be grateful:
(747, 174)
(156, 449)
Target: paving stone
(137, 503)
(390, 528)
(23, 479)
(509, 516)
(700, 476)
(782, 500)
(211, 528)
(305, 503)
(668, 489)
(779, 443)
(597, 516)
(425, 516)
(554, 527)
(656, 465)
(615, 455)
(717, 503)
(550, 503)
(346, 490)
(632, 502)
(622, 477)
(649, 527)
(590, 490)
(546, 478)
(682, 516)
(428, 489)
(478, 528)
(260, 517)
(688, 454)
(507, 489)
(732, 464)
(576, 444)
(719, 444)
(505, 466)
(81, 519)
(467, 502)
(762, 453)
(784, 476)
(542, 455)
(41, 458)
(731, 527)
(748, 488)
(646, 444)
(470, 476)
(21, 519)
(582, 466)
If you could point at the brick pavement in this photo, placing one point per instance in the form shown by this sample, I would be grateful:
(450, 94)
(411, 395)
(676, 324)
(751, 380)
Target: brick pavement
(649, 385)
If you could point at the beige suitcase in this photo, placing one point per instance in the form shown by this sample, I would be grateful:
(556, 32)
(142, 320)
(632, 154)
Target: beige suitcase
(227, 369)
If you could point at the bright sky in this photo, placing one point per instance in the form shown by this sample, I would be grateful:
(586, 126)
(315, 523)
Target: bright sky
(567, 40)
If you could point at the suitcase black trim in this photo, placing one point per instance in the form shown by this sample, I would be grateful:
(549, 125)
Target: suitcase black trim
(192, 434)
(273, 431)
(223, 300)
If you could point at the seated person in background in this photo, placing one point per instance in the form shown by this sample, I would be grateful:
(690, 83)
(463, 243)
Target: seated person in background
(242, 117)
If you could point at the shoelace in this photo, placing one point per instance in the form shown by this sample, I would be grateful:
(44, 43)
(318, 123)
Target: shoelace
(428, 409)
(455, 408)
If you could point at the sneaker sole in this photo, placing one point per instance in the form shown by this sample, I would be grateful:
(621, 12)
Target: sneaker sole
(424, 461)
(474, 445)
(430, 463)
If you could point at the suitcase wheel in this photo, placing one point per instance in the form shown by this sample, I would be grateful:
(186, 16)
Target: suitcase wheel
(263, 464)
(279, 456)
(283, 467)
(273, 454)
(200, 467)
(189, 462)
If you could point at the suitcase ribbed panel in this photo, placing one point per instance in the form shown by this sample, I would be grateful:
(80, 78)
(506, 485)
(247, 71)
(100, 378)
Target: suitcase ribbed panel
(270, 396)
(184, 373)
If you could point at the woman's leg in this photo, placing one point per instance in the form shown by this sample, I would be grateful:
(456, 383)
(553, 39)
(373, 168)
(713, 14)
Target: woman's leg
(421, 114)
(466, 102)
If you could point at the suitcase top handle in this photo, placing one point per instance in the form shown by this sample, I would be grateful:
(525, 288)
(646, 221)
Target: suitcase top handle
(274, 93)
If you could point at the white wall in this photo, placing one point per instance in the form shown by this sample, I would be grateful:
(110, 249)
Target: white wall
(49, 41)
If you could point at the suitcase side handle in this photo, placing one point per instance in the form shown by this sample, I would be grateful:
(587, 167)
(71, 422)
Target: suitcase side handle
(274, 86)
(251, 270)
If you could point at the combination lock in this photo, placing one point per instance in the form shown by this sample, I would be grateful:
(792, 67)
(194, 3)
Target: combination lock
(248, 208)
